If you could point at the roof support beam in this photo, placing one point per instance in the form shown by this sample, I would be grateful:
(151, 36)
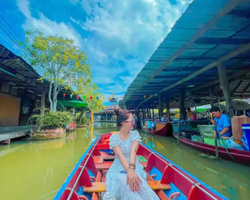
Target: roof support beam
(226, 9)
(241, 49)
(232, 77)
(224, 85)
(236, 87)
(245, 89)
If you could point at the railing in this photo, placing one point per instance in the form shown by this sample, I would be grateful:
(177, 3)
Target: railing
(170, 165)
(83, 167)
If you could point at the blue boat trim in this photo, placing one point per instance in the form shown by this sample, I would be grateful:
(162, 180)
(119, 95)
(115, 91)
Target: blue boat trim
(204, 184)
(63, 187)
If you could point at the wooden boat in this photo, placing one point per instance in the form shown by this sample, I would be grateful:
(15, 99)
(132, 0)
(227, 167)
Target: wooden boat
(239, 156)
(87, 180)
(167, 130)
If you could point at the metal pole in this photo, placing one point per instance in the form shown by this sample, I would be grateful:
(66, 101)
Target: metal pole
(215, 139)
(179, 130)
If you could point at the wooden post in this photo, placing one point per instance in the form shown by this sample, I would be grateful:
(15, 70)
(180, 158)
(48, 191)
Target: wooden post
(167, 110)
(153, 114)
(179, 131)
(159, 105)
(182, 106)
(224, 85)
(92, 117)
(211, 97)
(215, 138)
(219, 103)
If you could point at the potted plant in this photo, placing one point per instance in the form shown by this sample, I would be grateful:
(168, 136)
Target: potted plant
(51, 125)
(82, 122)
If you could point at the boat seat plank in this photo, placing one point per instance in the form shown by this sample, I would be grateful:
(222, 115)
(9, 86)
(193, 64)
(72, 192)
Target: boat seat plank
(100, 186)
(107, 165)
(98, 160)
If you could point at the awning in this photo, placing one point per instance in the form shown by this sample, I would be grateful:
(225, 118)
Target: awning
(73, 103)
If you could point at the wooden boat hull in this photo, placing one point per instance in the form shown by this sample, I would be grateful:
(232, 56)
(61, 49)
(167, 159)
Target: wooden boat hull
(242, 157)
(167, 130)
(87, 179)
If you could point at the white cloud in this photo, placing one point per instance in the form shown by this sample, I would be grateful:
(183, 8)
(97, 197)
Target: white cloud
(45, 25)
(131, 27)
(124, 28)
(127, 31)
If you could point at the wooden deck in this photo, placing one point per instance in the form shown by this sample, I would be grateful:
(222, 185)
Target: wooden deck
(12, 132)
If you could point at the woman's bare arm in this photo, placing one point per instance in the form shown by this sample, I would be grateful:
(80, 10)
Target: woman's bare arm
(134, 149)
(121, 157)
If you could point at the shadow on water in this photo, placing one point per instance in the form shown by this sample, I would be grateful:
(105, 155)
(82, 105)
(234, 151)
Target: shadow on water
(37, 169)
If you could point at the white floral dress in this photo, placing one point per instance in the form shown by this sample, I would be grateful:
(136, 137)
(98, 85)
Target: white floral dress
(116, 186)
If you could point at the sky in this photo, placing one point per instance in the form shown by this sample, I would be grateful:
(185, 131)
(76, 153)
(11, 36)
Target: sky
(118, 35)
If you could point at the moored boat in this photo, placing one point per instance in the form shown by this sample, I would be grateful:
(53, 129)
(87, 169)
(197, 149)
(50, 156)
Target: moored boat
(166, 130)
(239, 156)
(87, 180)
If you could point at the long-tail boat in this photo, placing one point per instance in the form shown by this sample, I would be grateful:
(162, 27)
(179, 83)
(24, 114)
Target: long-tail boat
(238, 156)
(167, 130)
(87, 180)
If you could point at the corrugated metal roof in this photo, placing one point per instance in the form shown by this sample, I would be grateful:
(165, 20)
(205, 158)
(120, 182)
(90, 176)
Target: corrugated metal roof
(230, 30)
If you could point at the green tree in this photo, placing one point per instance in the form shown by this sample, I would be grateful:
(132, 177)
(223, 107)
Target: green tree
(92, 96)
(59, 61)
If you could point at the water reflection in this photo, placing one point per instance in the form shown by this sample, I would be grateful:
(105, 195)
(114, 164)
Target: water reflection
(40, 167)
(230, 179)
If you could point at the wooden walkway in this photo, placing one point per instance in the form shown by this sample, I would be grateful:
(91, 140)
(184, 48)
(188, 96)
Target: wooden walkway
(12, 132)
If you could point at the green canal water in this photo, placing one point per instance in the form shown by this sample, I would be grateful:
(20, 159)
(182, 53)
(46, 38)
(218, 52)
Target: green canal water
(35, 170)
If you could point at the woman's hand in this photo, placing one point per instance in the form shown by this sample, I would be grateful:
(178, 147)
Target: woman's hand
(133, 180)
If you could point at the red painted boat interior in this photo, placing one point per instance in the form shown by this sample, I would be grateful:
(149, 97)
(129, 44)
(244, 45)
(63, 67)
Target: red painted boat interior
(96, 164)
(239, 156)
(167, 130)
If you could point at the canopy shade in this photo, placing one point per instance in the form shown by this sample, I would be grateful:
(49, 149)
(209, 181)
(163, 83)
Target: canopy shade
(73, 103)
(201, 110)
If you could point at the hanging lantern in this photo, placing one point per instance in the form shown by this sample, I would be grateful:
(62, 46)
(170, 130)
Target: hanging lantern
(84, 97)
(109, 98)
(77, 97)
(64, 94)
(91, 98)
(144, 96)
(97, 98)
(103, 97)
(150, 95)
(121, 97)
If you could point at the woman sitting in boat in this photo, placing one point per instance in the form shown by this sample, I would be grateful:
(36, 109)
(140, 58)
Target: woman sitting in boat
(222, 122)
(126, 179)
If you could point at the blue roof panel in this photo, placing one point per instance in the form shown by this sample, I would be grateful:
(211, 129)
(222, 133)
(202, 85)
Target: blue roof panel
(228, 33)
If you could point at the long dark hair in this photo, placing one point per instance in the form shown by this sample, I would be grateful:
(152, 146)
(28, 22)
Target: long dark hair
(122, 116)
